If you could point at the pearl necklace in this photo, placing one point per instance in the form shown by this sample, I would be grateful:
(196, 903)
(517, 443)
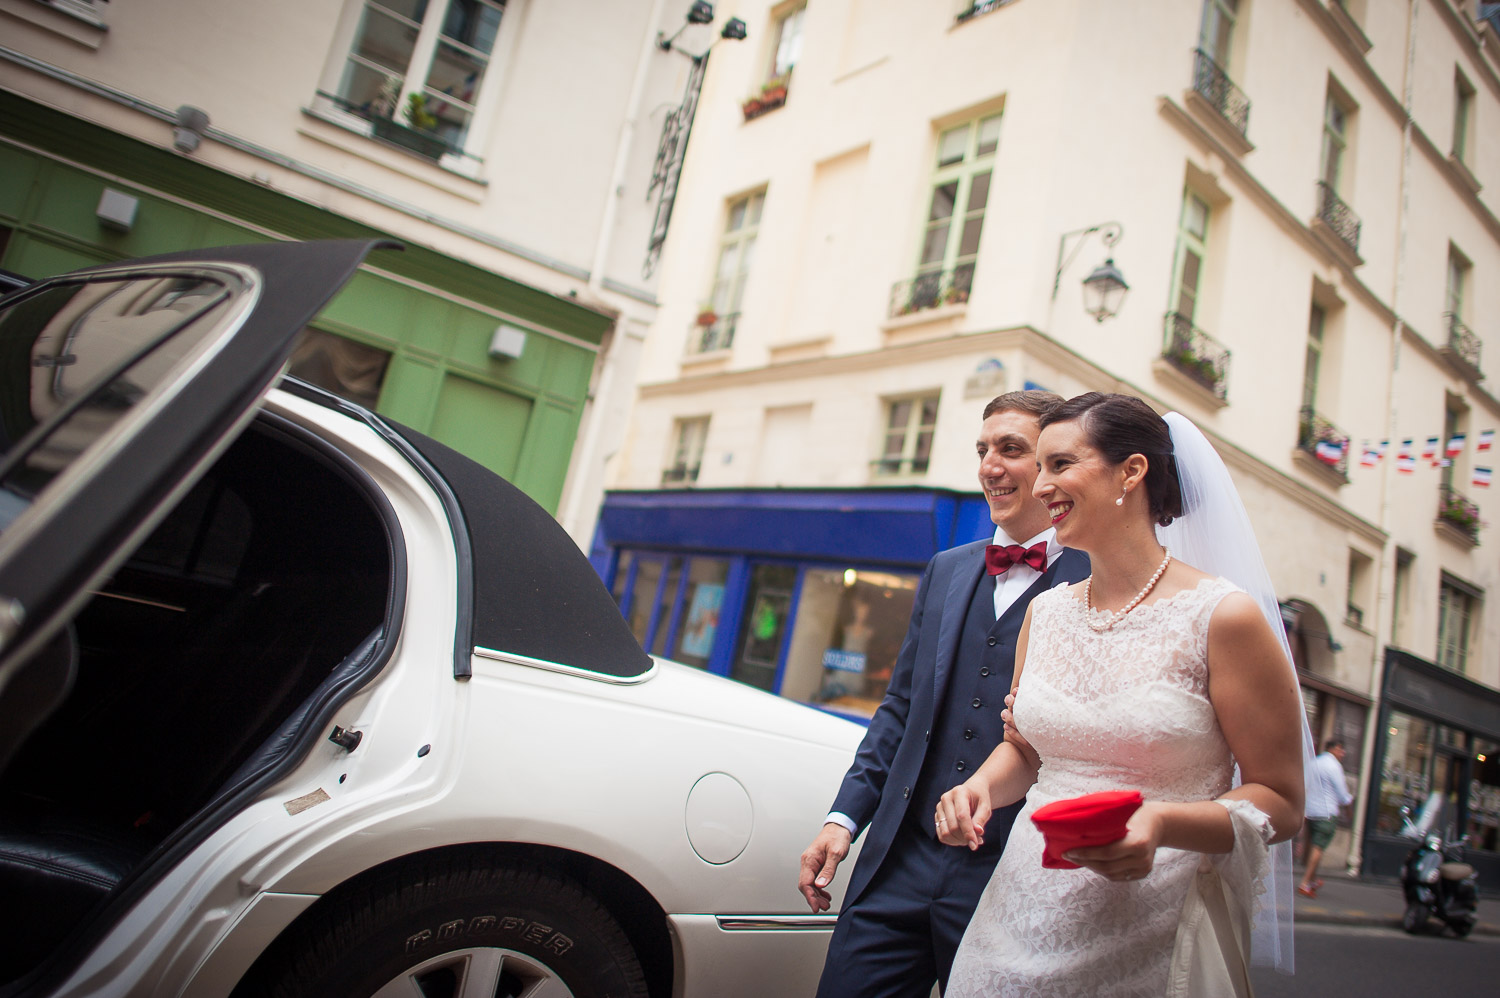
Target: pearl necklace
(1119, 615)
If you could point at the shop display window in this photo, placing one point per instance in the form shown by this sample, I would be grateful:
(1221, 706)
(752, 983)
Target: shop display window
(764, 626)
(849, 628)
(1484, 797)
(1421, 773)
(702, 601)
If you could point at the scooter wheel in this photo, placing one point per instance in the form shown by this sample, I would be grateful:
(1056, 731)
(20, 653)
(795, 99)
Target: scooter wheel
(1414, 918)
(1462, 927)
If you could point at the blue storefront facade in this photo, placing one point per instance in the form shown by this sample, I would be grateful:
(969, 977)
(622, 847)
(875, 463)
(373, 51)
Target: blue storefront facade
(805, 593)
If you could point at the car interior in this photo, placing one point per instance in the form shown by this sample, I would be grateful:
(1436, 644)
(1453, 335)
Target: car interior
(197, 663)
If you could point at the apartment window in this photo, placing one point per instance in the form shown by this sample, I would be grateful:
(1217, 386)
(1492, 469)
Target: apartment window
(1216, 37)
(1458, 283)
(1463, 116)
(720, 315)
(1356, 596)
(1458, 608)
(1315, 323)
(1335, 140)
(1192, 249)
(907, 443)
(955, 214)
(436, 52)
(788, 42)
(1401, 597)
(687, 452)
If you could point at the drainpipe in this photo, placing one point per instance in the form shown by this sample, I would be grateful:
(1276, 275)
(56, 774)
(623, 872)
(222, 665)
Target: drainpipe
(1385, 608)
(582, 479)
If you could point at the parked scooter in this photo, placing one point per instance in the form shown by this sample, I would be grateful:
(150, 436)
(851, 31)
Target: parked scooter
(1438, 883)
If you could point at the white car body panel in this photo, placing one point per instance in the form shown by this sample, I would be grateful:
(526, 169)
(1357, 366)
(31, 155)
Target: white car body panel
(517, 754)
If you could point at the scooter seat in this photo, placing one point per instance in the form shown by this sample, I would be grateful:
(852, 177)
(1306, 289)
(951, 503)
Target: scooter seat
(1456, 871)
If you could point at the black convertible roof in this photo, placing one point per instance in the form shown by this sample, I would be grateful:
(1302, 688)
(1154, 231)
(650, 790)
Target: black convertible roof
(535, 594)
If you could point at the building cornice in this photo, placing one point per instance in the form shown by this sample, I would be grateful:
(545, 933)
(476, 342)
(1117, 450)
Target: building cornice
(1035, 344)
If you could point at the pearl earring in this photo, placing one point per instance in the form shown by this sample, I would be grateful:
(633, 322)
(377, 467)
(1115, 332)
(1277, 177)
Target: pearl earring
(1121, 501)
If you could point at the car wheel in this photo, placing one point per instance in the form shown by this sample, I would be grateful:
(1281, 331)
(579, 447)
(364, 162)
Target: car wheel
(1414, 918)
(457, 929)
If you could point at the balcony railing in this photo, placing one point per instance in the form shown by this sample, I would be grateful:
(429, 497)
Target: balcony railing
(1196, 354)
(1337, 215)
(1462, 341)
(929, 290)
(1215, 86)
(681, 474)
(716, 335)
(977, 7)
(1324, 441)
(1458, 511)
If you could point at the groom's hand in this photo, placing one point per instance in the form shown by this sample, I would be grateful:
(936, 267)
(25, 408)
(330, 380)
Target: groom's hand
(820, 861)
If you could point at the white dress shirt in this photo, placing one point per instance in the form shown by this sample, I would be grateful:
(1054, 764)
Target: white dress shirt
(1329, 790)
(1008, 588)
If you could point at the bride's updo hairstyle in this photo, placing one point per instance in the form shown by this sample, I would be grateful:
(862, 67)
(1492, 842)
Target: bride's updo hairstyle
(1118, 426)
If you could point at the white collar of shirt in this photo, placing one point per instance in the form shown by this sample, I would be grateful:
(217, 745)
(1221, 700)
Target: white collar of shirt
(1010, 586)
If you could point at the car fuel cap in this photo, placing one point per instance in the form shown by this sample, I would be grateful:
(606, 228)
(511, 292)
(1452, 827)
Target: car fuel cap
(719, 818)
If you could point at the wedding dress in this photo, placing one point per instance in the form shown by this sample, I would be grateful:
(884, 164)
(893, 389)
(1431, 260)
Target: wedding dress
(1122, 709)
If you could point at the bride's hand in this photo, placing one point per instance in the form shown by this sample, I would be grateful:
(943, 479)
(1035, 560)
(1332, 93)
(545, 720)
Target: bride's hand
(1015, 737)
(1130, 858)
(961, 814)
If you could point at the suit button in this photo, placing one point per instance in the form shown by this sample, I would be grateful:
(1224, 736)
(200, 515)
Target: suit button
(993, 642)
(978, 702)
(960, 765)
(906, 793)
(968, 733)
(984, 671)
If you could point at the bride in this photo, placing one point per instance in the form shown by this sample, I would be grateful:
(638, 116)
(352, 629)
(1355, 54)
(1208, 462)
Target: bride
(1150, 675)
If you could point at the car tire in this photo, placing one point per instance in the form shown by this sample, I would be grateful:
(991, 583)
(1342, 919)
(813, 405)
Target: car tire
(1414, 918)
(455, 927)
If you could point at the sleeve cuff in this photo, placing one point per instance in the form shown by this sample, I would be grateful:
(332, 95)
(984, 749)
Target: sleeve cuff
(842, 819)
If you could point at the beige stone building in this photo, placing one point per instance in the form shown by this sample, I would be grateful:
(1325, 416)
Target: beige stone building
(886, 218)
(510, 144)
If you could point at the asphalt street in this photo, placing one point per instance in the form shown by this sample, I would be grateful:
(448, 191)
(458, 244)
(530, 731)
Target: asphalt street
(1363, 961)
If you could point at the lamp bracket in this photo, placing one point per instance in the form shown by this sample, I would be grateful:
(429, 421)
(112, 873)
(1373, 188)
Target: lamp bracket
(1109, 234)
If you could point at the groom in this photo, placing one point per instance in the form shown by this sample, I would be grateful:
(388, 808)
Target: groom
(911, 897)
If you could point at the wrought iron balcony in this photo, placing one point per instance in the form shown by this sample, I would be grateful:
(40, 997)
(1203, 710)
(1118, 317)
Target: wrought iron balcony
(1462, 341)
(1196, 354)
(680, 474)
(1458, 511)
(980, 7)
(929, 290)
(1337, 215)
(716, 335)
(1324, 441)
(1215, 86)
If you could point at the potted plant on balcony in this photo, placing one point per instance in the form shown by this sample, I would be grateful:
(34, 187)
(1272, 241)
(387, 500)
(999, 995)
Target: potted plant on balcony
(1461, 513)
(1200, 369)
(771, 96)
(419, 135)
(706, 316)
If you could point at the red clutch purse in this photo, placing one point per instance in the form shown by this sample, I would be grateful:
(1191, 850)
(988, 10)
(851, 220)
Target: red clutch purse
(1091, 820)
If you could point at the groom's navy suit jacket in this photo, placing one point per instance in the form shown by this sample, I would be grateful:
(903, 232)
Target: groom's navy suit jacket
(883, 783)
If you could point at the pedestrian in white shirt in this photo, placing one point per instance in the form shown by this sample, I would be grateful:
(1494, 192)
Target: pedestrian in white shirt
(1327, 791)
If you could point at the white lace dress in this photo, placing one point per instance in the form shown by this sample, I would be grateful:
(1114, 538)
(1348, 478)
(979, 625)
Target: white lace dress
(1125, 709)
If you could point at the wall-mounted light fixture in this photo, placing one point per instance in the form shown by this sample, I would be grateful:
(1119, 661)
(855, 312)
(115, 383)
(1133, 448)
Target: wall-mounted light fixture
(192, 122)
(1104, 289)
(508, 342)
(116, 210)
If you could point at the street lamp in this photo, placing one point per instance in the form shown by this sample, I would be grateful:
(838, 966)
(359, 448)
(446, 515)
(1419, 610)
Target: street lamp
(1104, 289)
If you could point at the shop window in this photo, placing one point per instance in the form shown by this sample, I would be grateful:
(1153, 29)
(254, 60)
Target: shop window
(702, 600)
(1420, 776)
(849, 627)
(1458, 609)
(666, 599)
(906, 446)
(420, 66)
(687, 452)
(348, 369)
(1484, 797)
(648, 577)
(767, 610)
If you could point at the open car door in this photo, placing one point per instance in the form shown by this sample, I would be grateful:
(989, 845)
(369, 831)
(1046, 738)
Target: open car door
(119, 386)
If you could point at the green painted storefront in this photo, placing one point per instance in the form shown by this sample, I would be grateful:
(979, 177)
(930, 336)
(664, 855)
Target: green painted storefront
(433, 315)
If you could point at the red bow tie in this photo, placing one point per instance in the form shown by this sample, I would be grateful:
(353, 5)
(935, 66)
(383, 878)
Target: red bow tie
(998, 558)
